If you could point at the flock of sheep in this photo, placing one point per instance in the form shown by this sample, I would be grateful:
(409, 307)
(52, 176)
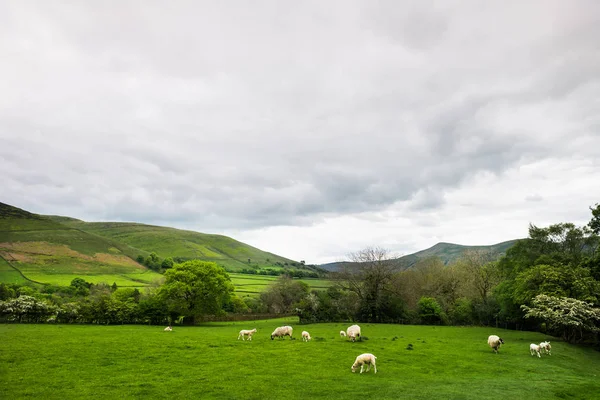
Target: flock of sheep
(353, 332)
(495, 342)
(368, 359)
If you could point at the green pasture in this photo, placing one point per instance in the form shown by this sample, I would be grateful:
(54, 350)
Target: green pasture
(126, 280)
(253, 285)
(208, 362)
(8, 274)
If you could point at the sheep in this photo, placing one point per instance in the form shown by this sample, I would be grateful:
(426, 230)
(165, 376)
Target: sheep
(546, 347)
(534, 348)
(305, 336)
(246, 332)
(353, 332)
(342, 334)
(495, 342)
(366, 358)
(282, 331)
(168, 329)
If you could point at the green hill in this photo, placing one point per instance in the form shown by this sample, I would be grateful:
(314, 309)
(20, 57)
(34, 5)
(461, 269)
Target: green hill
(447, 252)
(43, 250)
(182, 244)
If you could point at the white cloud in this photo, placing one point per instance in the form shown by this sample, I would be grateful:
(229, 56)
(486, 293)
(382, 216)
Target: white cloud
(309, 130)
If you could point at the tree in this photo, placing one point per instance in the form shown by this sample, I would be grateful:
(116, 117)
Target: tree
(152, 261)
(559, 281)
(284, 295)
(430, 310)
(369, 276)
(594, 224)
(481, 273)
(196, 288)
(571, 318)
(167, 263)
(81, 286)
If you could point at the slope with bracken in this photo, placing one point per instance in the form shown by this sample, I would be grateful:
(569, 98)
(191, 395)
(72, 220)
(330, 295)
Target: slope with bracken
(183, 244)
(43, 250)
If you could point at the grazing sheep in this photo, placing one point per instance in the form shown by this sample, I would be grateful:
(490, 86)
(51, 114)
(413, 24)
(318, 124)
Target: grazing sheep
(246, 332)
(495, 342)
(546, 347)
(366, 358)
(305, 336)
(534, 349)
(353, 332)
(168, 329)
(342, 334)
(282, 331)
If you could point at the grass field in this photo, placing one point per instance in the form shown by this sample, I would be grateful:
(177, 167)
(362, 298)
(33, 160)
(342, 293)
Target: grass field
(8, 274)
(253, 285)
(75, 361)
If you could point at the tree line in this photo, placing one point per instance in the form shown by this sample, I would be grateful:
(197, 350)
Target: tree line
(549, 281)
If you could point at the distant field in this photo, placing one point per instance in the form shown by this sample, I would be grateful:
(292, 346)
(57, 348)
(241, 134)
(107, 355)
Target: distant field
(128, 280)
(253, 285)
(78, 361)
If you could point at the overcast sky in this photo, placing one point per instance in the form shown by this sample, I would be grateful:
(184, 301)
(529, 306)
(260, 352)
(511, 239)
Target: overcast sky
(310, 129)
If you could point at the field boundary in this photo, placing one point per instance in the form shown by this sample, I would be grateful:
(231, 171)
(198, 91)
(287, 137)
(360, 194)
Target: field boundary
(21, 273)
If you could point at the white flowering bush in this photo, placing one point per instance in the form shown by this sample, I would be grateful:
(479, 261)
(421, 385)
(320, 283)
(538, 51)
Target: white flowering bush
(26, 309)
(570, 318)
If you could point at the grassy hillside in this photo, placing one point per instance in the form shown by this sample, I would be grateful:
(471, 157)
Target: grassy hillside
(208, 362)
(447, 252)
(44, 250)
(171, 242)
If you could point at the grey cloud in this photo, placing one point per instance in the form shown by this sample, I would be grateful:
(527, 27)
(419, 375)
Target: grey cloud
(534, 198)
(237, 117)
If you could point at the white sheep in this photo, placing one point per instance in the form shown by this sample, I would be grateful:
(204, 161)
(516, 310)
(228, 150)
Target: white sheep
(366, 358)
(282, 331)
(168, 329)
(353, 332)
(546, 347)
(342, 334)
(534, 349)
(246, 332)
(495, 342)
(305, 336)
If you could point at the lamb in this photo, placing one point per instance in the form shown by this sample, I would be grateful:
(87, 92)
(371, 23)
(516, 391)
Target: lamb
(546, 347)
(534, 348)
(168, 329)
(353, 332)
(495, 342)
(246, 332)
(305, 336)
(282, 331)
(342, 334)
(366, 358)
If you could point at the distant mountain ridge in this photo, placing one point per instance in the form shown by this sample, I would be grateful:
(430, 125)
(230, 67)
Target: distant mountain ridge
(447, 252)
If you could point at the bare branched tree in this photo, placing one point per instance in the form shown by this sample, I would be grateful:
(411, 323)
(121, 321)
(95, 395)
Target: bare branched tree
(368, 276)
(481, 272)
